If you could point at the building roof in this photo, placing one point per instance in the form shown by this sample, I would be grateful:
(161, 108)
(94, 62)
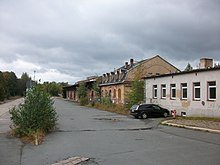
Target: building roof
(111, 79)
(183, 72)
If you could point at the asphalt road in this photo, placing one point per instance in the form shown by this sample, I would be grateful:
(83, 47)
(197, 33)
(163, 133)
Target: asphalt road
(111, 139)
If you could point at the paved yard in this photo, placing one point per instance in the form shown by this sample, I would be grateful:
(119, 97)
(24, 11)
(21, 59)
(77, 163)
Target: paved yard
(111, 139)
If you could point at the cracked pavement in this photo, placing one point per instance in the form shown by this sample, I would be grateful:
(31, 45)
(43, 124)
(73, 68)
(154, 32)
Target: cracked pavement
(107, 138)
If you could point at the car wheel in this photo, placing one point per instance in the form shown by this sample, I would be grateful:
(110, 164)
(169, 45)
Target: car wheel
(165, 114)
(144, 115)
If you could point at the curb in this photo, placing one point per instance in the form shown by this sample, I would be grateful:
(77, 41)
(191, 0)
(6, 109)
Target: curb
(189, 127)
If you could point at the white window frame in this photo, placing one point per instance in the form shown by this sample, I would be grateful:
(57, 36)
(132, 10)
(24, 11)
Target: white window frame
(155, 91)
(184, 87)
(163, 91)
(195, 87)
(211, 87)
(172, 88)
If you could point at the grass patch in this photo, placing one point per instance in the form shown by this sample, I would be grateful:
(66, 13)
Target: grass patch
(200, 118)
(119, 109)
(35, 138)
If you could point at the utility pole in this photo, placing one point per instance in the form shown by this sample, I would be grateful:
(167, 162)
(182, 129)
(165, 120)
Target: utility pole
(34, 74)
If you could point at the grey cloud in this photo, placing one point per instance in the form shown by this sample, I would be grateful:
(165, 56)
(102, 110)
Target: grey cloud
(82, 38)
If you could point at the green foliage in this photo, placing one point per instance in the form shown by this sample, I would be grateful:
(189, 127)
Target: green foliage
(10, 84)
(120, 109)
(82, 93)
(107, 101)
(84, 101)
(2, 93)
(136, 94)
(53, 88)
(81, 90)
(96, 88)
(2, 87)
(35, 114)
(23, 83)
(188, 67)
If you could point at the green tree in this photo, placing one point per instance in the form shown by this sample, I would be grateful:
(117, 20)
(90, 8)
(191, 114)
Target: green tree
(23, 83)
(2, 87)
(36, 114)
(2, 92)
(136, 94)
(10, 83)
(53, 88)
(81, 90)
(97, 90)
(188, 67)
(82, 93)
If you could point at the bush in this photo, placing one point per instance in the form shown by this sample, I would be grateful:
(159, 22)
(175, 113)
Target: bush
(115, 108)
(36, 114)
(83, 101)
(107, 101)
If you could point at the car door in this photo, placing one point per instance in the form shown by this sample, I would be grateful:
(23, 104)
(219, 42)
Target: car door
(149, 109)
(145, 108)
(157, 110)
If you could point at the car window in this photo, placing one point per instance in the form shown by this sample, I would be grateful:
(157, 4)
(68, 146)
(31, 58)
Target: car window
(141, 107)
(148, 106)
(134, 107)
(156, 107)
(144, 107)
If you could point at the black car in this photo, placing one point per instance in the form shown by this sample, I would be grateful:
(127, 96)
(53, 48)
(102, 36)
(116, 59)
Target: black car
(148, 110)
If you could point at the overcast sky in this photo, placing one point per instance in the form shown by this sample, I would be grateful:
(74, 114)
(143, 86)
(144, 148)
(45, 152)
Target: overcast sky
(68, 40)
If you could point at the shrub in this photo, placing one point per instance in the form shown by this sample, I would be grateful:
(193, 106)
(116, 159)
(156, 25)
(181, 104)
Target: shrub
(107, 101)
(36, 114)
(83, 101)
(115, 108)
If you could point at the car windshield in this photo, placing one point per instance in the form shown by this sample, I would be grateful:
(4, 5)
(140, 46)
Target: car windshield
(134, 107)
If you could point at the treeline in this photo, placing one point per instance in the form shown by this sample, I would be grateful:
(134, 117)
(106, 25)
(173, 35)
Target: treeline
(11, 86)
(53, 88)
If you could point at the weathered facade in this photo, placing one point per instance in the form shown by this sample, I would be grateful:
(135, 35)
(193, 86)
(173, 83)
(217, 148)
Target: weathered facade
(71, 91)
(116, 84)
(190, 93)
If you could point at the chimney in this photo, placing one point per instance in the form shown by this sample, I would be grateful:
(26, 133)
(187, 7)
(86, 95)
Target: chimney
(126, 65)
(131, 61)
(206, 63)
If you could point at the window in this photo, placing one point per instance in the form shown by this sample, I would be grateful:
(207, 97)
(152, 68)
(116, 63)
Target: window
(212, 90)
(163, 91)
(110, 94)
(173, 91)
(156, 107)
(106, 93)
(184, 91)
(114, 93)
(154, 91)
(196, 90)
(119, 93)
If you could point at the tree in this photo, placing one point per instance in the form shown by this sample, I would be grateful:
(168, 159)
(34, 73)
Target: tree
(2, 92)
(136, 94)
(35, 115)
(10, 83)
(2, 87)
(96, 89)
(82, 93)
(23, 83)
(81, 90)
(188, 67)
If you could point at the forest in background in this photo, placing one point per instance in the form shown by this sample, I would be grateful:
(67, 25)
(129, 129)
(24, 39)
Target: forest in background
(11, 86)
